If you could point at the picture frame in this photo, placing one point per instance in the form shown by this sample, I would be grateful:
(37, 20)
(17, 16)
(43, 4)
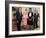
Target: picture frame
(9, 4)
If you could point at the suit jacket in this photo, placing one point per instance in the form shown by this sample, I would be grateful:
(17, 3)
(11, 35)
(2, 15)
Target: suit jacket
(36, 17)
(18, 16)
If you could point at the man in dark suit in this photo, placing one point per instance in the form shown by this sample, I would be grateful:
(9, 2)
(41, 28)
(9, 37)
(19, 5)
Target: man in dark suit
(36, 15)
(18, 18)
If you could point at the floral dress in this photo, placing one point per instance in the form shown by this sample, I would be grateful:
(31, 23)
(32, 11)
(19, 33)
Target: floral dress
(24, 19)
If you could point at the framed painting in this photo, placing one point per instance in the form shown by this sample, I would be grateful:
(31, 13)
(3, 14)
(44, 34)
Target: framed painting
(24, 18)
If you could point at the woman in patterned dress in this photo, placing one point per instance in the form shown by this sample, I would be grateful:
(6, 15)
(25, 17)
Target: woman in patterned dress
(24, 20)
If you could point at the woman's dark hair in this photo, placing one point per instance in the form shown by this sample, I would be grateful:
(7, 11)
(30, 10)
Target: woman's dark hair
(30, 8)
(13, 9)
(14, 14)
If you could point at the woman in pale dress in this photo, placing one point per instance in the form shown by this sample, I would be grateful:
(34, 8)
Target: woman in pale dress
(24, 20)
